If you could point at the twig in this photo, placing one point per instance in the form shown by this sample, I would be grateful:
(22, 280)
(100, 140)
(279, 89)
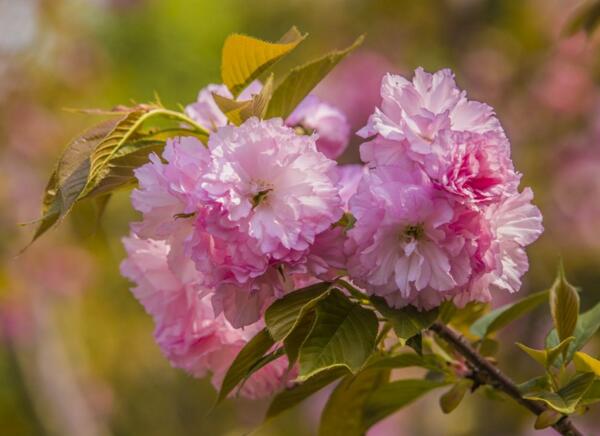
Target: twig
(497, 378)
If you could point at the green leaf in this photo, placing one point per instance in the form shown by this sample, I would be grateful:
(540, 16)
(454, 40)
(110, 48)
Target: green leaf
(301, 80)
(70, 175)
(244, 362)
(297, 393)
(535, 384)
(245, 58)
(239, 111)
(119, 172)
(564, 305)
(588, 324)
(123, 131)
(546, 419)
(592, 395)
(451, 399)
(586, 18)
(546, 357)
(344, 335)
(586, 363)
(393, 396)
(566, 399)
(431, 362)
(502, 316)
(343, 413)
(284, 314)
(294, 341)
(408, 321)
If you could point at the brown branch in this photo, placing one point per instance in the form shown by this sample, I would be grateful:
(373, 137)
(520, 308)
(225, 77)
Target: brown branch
(496, 378)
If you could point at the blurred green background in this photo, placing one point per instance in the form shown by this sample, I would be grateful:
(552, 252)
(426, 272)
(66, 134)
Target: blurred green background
(76, 350)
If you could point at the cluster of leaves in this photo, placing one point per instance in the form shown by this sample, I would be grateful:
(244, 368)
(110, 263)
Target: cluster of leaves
(570, 382)
(103, 158)
(332, 331)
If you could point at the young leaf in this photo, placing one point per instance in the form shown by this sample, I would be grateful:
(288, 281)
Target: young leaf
(344, 335)
(500, 317)
(546, 419)
(533, 385)
(283, 315)
(566, 399)
(408, 321)
(564, 305)
(119, 172)
(239, 111)
(451, 399)
(301, 80)
(586, 363)
(245, 58)
(391, 397)
(297, 393)
(592, 395)
(70, 175)
(246, 359)
(587, 325)
(343, 412)
(547, 356)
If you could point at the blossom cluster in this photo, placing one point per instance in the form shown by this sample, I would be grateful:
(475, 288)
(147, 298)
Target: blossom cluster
(228, 228)
(439, 215)
(264, 208)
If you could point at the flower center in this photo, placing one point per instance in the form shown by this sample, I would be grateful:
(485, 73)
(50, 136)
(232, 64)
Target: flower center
(259, 197)
(261, 189)
(412, 232)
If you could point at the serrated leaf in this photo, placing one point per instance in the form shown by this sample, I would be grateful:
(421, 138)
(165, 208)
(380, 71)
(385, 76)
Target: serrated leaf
(586, 18)
(344, 335)
(586, 363)
(246, 359)
(451, 399)
(283, 315)
(239, 111)
(588, 324)
(245, 58)
(564, 305)
(119, 172)
(546, 357)
(294, 341)
(393, 396)
(566, 399)
(70, 175)
(408, 321)
(500, 317)
(343, 413)
(301, 80)
(299, 392)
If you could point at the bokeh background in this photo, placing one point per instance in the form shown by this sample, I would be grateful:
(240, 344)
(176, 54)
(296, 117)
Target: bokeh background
(76, 350)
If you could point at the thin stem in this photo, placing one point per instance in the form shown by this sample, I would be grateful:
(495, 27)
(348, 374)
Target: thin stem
(496, 378)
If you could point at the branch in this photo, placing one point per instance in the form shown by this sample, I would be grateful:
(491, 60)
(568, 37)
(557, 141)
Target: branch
(497, 378)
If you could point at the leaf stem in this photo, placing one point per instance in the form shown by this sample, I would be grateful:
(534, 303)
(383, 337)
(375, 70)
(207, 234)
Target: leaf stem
(496, 378)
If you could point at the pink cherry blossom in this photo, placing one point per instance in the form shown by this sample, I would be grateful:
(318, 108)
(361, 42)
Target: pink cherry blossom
(439, 215)
(270, 193)
(405, 241)
(186, 328)
(458, 142)
(327, 121)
